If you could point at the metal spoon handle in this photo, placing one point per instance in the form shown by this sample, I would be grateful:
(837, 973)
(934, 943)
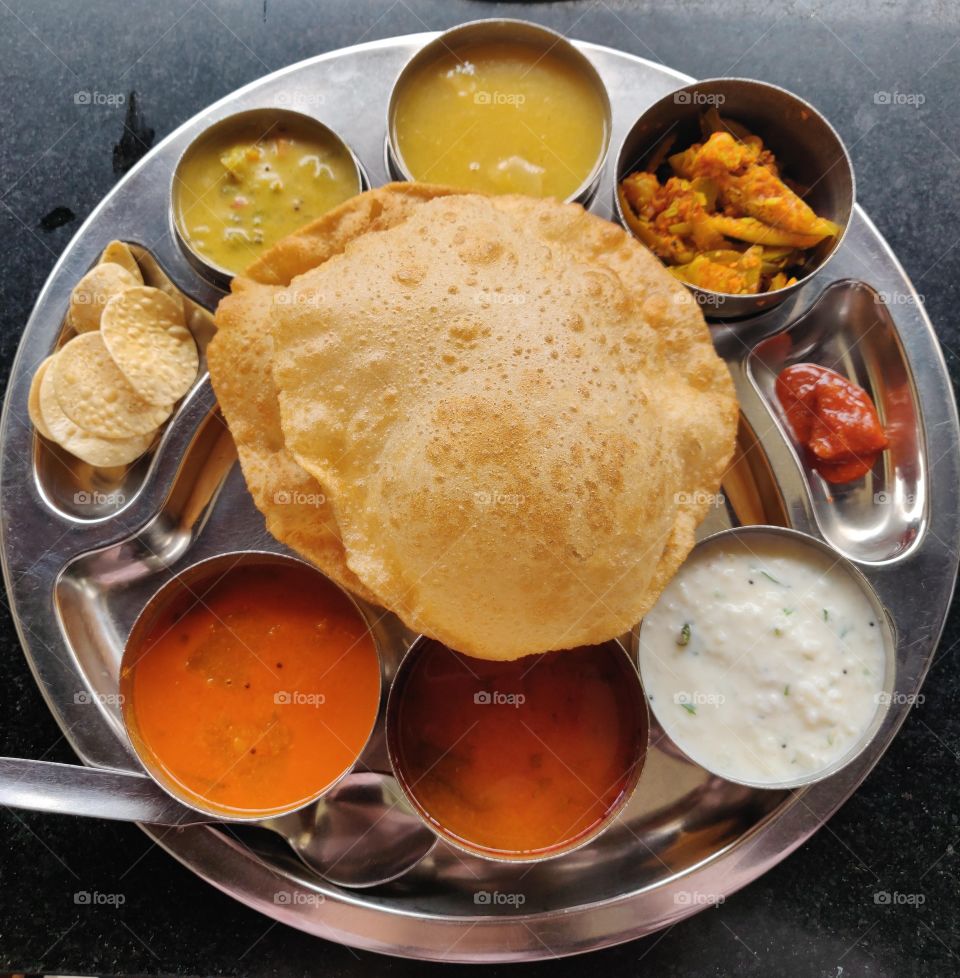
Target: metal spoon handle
(69, 789)
(326, 836)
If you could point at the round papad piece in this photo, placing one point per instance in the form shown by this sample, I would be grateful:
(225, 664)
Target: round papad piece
(90, 448)
(144, 331)
(91, 294)
(33, 400)
(96, 396)
(517, 416)
(119, 253)
(295, 506)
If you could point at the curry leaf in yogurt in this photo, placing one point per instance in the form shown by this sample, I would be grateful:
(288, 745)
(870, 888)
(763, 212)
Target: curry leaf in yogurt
(690, 708)
(684, 637)
(770, 577)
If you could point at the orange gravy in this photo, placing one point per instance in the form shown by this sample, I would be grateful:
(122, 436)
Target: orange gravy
(260, 694)
(519, 757)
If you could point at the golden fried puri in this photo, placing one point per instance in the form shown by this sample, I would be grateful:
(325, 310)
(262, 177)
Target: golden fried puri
(513, 414)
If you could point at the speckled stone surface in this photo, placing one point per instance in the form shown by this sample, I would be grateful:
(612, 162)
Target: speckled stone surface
(822, 911)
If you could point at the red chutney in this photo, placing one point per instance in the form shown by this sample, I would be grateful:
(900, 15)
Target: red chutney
(259, 694)
(518, 758)
(833, 418)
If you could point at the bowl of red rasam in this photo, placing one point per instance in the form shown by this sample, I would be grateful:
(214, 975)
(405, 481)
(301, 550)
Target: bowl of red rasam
(521, 760)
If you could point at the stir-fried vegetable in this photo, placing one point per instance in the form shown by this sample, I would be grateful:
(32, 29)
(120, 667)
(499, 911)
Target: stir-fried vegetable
(724, 219)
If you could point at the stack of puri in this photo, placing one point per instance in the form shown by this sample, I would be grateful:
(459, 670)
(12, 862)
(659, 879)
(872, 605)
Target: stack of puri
(498, 417)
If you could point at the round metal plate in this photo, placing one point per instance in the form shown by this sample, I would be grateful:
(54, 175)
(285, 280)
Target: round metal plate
(76, 582)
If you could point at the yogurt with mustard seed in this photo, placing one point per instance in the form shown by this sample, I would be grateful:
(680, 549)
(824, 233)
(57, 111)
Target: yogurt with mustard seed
(763, 659)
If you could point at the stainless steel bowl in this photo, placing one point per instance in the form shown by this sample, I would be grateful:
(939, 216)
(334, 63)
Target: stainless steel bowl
(804, 143)
(180, 593)
(266, 119)
(885, 696)
(500, 30)
(631, 678)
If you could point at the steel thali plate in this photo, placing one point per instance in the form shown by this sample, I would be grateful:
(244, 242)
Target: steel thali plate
(81, 554)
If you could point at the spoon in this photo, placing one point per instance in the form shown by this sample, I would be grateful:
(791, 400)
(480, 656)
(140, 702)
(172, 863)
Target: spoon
(363, 832)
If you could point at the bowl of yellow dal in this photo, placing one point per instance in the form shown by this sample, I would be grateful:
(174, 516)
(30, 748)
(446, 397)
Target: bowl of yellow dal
(500, 106)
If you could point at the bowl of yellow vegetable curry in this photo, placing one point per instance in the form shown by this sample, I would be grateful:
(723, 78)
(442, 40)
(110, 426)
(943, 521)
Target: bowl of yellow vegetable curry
(741, 188)
(252, 178)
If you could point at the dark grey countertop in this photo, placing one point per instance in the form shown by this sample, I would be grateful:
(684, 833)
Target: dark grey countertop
(820, 913)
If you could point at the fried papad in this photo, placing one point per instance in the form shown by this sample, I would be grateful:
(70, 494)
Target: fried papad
(239, 358)
(516, 415)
